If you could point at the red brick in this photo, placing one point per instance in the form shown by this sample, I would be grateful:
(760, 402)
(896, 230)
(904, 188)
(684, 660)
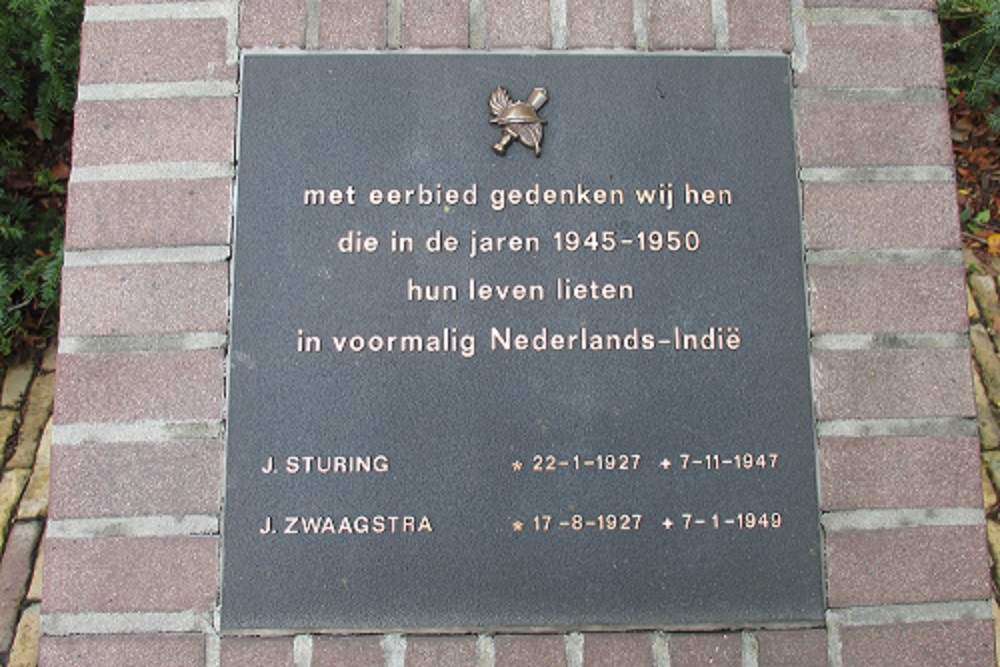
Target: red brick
(141, 386)
(908, 565)
(276, 23)
(869, 215)
(123, 651)
(148, 213)
(139, 2)
(872, 56)
(881, 299)
(15, 575)
(154, 131)
(251, 651)
(955, 644)
(599, 23)
(435, 24)
(760, 24)
(697, 650)
(435, 651)
(352, 24)
(530, 651)
(130, 574)
(517, 23)
(846, 134)
(143, 51)
(891, 384)
(348, 652)
(880, 4)
(859, 473)
(792, 648)
(614, 649)
(144, 299)
(82, 488)
(681, 24)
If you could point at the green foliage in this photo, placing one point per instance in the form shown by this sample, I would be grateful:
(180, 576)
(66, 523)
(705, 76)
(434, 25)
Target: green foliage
(971, 35)
(39, 60)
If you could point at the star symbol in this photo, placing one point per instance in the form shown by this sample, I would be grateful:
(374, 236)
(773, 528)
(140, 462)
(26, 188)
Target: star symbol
(517, 465)
(518, 526)
(665, 464)
(667, 523)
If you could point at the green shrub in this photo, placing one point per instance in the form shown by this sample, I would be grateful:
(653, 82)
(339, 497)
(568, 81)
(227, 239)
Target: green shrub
(971, 36)
(39, 61)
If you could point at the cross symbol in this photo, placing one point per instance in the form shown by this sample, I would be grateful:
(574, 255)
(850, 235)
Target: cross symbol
(667, 523)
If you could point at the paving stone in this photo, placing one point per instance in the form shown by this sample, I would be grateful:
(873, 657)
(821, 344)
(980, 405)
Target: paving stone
(859, 215)
(906, 566)
(164, 650)
(984, 291)
(15, 383)
(12, 483)
(352, 24)
(278, 23)
(792, 648)
(613, 649)
(84, 489)
(991, 460)
(899, 473)
(25, 650)
(987, 363)
(873, 56)
(880, 299)
(141, 131)
(244, 651)
(35, 500)
(853, 134)
(696, 650)
(130, 574)
(530, 651)
(144, 299)
(970, 304)
(435, 651)
(148, 214)
(518, 23)
(760, 24)
(986, 419)
(892, 384)
(35, 589)
(959, 643)
(435, 24)
(9, 419)
(993, 540)
(681, 24)
(147, 51)
(15, 574)
(881, 4)
(50, 355)
(364, 651)
(131, 387)
(599, 23)
(37, 414)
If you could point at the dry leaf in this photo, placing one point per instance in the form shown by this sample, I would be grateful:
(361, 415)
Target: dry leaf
(993, 244)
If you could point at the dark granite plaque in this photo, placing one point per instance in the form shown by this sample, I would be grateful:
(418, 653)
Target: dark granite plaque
(472, 391)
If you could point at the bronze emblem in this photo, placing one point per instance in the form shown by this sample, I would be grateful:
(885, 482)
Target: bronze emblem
(518, 120)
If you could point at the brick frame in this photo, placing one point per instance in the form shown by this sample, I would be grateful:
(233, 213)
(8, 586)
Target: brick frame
(132, 568)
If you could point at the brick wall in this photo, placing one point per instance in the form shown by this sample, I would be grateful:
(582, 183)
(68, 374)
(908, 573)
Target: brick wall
(132, 550)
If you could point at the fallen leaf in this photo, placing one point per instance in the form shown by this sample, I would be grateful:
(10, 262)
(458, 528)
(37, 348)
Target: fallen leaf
(60, 171)
(993, 244)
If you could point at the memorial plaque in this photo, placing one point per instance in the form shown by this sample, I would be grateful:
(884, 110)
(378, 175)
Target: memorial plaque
(519, 341)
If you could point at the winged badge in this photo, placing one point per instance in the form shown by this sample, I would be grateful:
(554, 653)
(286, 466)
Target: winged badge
(518, 120)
